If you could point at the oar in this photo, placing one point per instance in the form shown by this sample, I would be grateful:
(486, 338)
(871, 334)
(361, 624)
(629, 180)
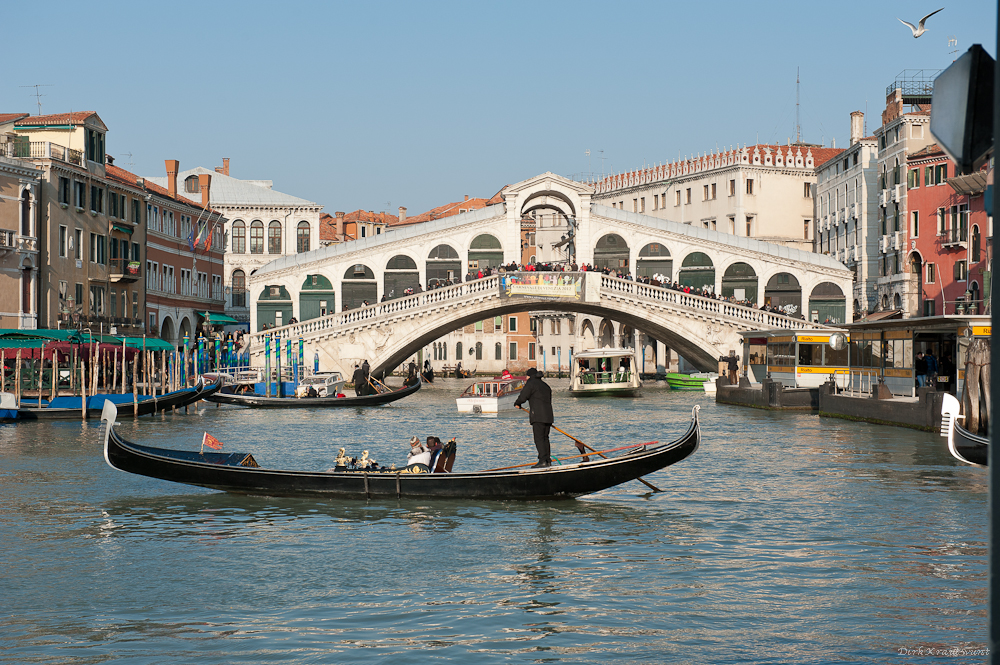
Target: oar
(581, 443)
(563, 459)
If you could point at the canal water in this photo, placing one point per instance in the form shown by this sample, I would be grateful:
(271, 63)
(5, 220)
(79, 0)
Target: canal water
(785, 538)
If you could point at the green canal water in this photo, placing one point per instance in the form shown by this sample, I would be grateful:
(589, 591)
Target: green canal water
(786, 538)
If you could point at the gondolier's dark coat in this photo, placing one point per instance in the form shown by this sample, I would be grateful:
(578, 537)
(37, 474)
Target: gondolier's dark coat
(538, 395)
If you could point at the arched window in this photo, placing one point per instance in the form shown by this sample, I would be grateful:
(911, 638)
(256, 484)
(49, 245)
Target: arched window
(498, 351)
(479, 350)
(302, 238)
(274, 237)
(458, 352)
(257, 237)
(239, 237)
(191, 184)
(239, 285)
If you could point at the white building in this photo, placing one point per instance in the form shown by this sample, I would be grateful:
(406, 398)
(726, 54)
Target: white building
(261, 225)
(763, 192)
(846, 210)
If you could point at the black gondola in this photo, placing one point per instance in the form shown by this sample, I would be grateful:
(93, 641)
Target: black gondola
(963, 444)
(239, 473)
(427, 376)
(126, 407)
(262, 402)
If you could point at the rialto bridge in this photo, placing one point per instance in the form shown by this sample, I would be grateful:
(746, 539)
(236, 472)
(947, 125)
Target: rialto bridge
(313, 286)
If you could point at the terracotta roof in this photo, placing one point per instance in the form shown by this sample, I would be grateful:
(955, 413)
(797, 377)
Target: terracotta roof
(926, 151)
(76, 118)
(328, 229)
(448, 210)
(8, 117)
(128, 178)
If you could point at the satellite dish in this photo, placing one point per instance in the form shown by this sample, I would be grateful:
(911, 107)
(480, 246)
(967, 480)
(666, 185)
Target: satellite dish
(838, 341)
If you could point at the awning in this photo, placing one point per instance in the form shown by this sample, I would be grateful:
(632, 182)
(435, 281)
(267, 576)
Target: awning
(215, 317)
(973, 183)
(122, 228)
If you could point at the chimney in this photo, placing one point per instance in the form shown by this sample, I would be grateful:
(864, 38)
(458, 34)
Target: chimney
(204, 184)
(225, 166)
(340, 226)
(402, 214)
(172, 167)
(857, 126)
(466, 197)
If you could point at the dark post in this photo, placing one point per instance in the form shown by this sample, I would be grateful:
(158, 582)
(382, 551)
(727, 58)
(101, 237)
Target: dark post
(994, 483)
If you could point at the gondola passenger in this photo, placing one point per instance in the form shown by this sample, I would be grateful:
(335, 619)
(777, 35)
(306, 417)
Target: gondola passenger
(419, 453)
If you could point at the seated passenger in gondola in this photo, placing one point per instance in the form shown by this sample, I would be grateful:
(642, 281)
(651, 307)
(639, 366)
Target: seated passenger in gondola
(419, 453)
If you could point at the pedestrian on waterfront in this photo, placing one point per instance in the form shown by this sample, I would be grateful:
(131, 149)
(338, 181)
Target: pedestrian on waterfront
(538, 395)
(932, 369)
(920, 368)
(359, 380)
(734, 367)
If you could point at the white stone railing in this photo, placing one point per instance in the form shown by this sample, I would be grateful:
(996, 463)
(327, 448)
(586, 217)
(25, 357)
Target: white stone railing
(407, 306)
(384, 311)
(757, 317)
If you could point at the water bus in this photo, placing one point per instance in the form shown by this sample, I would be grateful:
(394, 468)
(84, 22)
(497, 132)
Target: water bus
(607, 371)
(491, 395)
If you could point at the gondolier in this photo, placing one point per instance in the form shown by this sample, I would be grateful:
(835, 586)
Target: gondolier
(358, 378)
(538, 395)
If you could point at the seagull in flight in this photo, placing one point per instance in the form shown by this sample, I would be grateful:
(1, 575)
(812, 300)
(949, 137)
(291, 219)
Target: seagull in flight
(918, 29)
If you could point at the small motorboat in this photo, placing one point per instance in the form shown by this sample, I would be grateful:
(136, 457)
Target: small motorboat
(963, 444)
(240, 473)
(491, 395)
(696, 381)
(604, 371)
(326, 384)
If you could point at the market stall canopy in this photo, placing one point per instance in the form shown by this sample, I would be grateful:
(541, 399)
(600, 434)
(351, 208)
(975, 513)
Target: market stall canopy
(215, 317)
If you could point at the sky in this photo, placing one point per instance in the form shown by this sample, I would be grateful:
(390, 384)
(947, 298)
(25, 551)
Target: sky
(376, 105)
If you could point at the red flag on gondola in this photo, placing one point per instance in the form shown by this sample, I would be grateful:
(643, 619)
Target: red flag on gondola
(211, 442)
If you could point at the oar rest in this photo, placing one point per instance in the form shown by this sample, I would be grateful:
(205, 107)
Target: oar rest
(445, 458)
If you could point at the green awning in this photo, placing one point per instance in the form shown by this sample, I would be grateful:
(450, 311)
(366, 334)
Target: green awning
(215, 317)
(122, 228)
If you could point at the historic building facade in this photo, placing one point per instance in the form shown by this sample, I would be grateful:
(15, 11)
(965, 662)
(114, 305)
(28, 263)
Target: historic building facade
(261, 225)
(20, 184)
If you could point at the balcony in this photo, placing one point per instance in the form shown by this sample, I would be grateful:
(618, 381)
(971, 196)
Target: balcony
(27, 244)
(124, 270)
(41, 150)
(955, 237)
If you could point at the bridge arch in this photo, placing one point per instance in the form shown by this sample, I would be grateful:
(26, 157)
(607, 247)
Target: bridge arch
(654, 259)
(740, 281)
(485, 251)
(697, 271)
(611, 252)
(827, 304)
(274, 306)
(783, 290)
(444, 263)
(317, 297)
(401, 273)
(357, 286)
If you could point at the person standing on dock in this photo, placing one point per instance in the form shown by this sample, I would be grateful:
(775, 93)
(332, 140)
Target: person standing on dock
(538, 395)
(733, 366)
(920, 369)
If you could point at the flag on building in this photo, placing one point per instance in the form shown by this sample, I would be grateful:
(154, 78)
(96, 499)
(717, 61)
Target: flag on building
(211, 442)
(208, 239)
(190, 238)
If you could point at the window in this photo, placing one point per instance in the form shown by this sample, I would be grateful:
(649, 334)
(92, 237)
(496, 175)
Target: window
(257, 237)
(479, 326)
(942, 228)
(677, 197)
(929, 308)
(62, 241)
(705, 193)
(940, 174)
(64, 190)
(656, 201)
(917, 131)
(749, 185)
(135, 305)
(479, 350)
(302, 237)
(136, 252)
(498, 352)
(458, 351)
(635, 205)
(497, 324)
(78, 245)
(533, 325)
(512, 324)
(913, 179)
(642, 204)
(136, 211)
(531, 349)
(274, 237)
(97, 304)
(191, 184)
(114, 304)
(79, 294)
(805, 230)
(239, 237)
(239, 288)
(96, 199)
(960, 271)
(915, 224)
(749, 225)
(94, 145)
(713, 190)
(732, 188)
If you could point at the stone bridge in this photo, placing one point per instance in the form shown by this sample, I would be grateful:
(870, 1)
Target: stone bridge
(388, 333)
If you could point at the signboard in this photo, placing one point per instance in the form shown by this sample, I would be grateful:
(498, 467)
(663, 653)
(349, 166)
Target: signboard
(557, 285)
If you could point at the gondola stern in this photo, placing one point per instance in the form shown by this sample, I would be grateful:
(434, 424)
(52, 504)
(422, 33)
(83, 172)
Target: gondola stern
(109, 414)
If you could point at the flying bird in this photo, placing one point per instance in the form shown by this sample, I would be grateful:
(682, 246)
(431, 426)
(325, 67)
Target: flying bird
(918, 29)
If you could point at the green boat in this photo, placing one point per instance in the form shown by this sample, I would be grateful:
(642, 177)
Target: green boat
(690, 381)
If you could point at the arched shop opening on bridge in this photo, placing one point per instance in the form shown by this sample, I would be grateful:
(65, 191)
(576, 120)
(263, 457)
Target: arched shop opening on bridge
(697, 271)
(358, 286)
(654, 259)
(443, 264)
(611, 252)
(783, 292)
(274, 307)
(485, 252)
(317, 298)
(400, 274)
(827, 304)
(740, 282)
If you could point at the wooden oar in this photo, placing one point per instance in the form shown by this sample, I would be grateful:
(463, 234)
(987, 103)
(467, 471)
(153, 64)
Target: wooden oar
(563, 459)
(581, 443)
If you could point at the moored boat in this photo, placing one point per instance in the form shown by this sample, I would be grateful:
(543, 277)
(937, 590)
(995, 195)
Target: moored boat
(71, 406)
(240, 473)
(605, 371)
(255, 400)
(962, 444)
(490, 395)
(695, 381)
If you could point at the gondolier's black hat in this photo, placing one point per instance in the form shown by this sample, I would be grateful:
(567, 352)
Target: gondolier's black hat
(532, 373)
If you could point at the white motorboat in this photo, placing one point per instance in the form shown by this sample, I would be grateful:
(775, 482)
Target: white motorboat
(607, 371)
(491, 395)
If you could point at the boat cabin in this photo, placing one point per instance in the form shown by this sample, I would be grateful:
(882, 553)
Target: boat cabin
(607, 370)
(796, 358)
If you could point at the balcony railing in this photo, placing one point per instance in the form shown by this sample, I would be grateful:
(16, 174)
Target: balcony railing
(41, 150)
(955, 236)
(124, 270)
(27, 244)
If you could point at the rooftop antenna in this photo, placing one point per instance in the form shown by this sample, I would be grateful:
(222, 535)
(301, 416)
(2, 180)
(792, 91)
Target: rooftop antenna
(601, 153)
(952, 45)
(38, 94)
(129, 155)
(798, 126)
(589, 168)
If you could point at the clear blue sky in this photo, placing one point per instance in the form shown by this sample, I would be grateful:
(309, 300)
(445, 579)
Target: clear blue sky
(374, 105)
